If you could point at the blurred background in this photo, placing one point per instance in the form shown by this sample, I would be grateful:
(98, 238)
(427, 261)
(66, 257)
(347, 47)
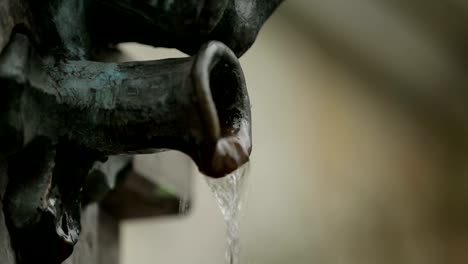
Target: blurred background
(360, 148)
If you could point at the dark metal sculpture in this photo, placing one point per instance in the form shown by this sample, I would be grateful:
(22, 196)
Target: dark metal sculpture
(62, 113)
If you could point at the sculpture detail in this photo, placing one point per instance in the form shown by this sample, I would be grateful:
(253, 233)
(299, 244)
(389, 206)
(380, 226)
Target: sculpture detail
(62, 113)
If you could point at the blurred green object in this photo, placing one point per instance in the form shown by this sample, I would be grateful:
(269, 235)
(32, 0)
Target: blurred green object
(164, 193)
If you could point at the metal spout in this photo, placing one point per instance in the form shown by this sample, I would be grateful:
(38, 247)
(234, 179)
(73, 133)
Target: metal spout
(219, 81)
(198, 105)
(66, 115)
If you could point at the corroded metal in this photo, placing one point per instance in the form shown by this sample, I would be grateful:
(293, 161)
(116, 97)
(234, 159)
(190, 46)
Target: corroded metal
(63, 114)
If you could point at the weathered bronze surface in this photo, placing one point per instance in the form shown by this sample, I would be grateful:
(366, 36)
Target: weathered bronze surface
(63, 113)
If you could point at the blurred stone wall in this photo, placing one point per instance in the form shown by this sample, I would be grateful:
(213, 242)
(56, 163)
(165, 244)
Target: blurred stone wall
(339, 173)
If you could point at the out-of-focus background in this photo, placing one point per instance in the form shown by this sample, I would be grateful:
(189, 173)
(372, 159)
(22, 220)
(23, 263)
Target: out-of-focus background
(359, 143)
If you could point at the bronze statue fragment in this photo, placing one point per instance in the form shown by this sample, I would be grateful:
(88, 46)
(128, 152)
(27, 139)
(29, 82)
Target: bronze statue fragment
(63, 113)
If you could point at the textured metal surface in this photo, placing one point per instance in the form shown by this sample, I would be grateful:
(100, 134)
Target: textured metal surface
(63, 114)
(181, 24)
(7, 255)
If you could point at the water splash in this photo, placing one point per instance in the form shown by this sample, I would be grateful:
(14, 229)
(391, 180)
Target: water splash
(229, 191)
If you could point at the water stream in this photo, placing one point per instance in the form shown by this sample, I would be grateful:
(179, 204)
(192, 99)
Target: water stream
(184, 203)
(229, 191)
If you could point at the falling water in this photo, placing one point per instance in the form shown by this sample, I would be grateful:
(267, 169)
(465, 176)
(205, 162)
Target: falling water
(183, 204)
(229, 192)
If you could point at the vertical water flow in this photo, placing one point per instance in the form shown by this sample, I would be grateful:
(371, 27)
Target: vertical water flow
(228, 191)
(184, 200)
(183, 204)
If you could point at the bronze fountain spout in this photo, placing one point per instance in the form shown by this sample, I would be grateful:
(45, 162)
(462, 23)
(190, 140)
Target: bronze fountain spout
(63, 113)
(197, 105)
